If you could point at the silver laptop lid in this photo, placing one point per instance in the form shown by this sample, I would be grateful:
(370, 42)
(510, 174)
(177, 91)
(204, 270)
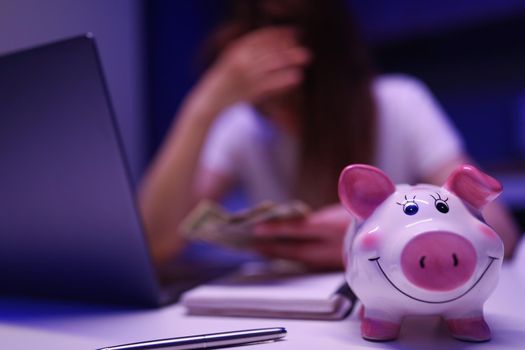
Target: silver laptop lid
(69, 227)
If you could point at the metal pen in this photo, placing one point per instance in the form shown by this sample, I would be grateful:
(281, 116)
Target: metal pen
(206, 341)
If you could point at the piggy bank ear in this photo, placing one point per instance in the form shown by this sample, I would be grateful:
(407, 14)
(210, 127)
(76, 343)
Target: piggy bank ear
(473, 186)
(362, 188)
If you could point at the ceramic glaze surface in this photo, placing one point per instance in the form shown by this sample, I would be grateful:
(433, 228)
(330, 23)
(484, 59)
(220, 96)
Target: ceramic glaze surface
(420, 250)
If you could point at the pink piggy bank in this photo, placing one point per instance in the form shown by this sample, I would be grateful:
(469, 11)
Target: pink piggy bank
(420, 250)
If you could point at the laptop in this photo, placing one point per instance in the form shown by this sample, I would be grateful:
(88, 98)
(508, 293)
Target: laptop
(69, 224)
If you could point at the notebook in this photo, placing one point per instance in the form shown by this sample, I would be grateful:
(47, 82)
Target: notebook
(273, 290)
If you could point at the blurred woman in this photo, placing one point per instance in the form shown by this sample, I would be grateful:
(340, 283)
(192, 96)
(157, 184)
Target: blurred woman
(288, 100)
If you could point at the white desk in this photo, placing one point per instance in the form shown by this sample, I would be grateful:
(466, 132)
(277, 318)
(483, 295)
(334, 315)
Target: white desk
(45, 325)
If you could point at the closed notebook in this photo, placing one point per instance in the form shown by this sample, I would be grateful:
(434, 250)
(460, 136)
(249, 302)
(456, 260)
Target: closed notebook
(273, 291)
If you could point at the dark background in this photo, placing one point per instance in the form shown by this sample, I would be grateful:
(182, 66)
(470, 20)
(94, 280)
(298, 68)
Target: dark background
(470, 53)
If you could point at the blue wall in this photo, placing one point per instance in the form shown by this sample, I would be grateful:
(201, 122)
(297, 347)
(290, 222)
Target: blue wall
(175, 31)
(477, 73)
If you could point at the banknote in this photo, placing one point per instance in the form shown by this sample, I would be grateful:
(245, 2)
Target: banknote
(212, 223)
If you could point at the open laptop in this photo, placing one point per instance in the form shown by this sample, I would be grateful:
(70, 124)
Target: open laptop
(69, 225)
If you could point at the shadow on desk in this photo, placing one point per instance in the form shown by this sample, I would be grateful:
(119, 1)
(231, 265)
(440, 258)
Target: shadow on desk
(27, 311)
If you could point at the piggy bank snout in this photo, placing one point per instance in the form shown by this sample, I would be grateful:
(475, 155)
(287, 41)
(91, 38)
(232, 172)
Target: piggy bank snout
(438, 261)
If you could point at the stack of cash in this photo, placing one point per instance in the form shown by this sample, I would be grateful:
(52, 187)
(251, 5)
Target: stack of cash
(212, 223)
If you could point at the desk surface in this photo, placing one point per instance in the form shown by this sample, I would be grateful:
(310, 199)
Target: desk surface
(29, 324)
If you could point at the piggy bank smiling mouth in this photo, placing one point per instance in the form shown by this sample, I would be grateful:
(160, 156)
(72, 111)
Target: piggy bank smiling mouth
(489, 264)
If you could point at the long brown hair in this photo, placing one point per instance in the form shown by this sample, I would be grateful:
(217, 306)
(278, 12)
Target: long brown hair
(338, 111)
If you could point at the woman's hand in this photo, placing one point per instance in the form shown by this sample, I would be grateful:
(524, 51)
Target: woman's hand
(257, 65)
(315, 241)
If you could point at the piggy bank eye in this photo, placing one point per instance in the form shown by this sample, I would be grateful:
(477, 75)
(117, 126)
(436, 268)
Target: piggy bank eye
(410, 208)
(441, 206)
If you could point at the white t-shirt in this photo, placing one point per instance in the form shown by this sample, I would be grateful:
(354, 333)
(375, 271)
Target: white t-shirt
(414, 139)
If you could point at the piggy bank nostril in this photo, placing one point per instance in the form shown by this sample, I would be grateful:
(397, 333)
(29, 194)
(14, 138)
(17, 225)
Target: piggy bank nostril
(422, 262)
(455, 259)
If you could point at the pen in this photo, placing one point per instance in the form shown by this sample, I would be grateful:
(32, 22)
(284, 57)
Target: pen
(206, 341)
